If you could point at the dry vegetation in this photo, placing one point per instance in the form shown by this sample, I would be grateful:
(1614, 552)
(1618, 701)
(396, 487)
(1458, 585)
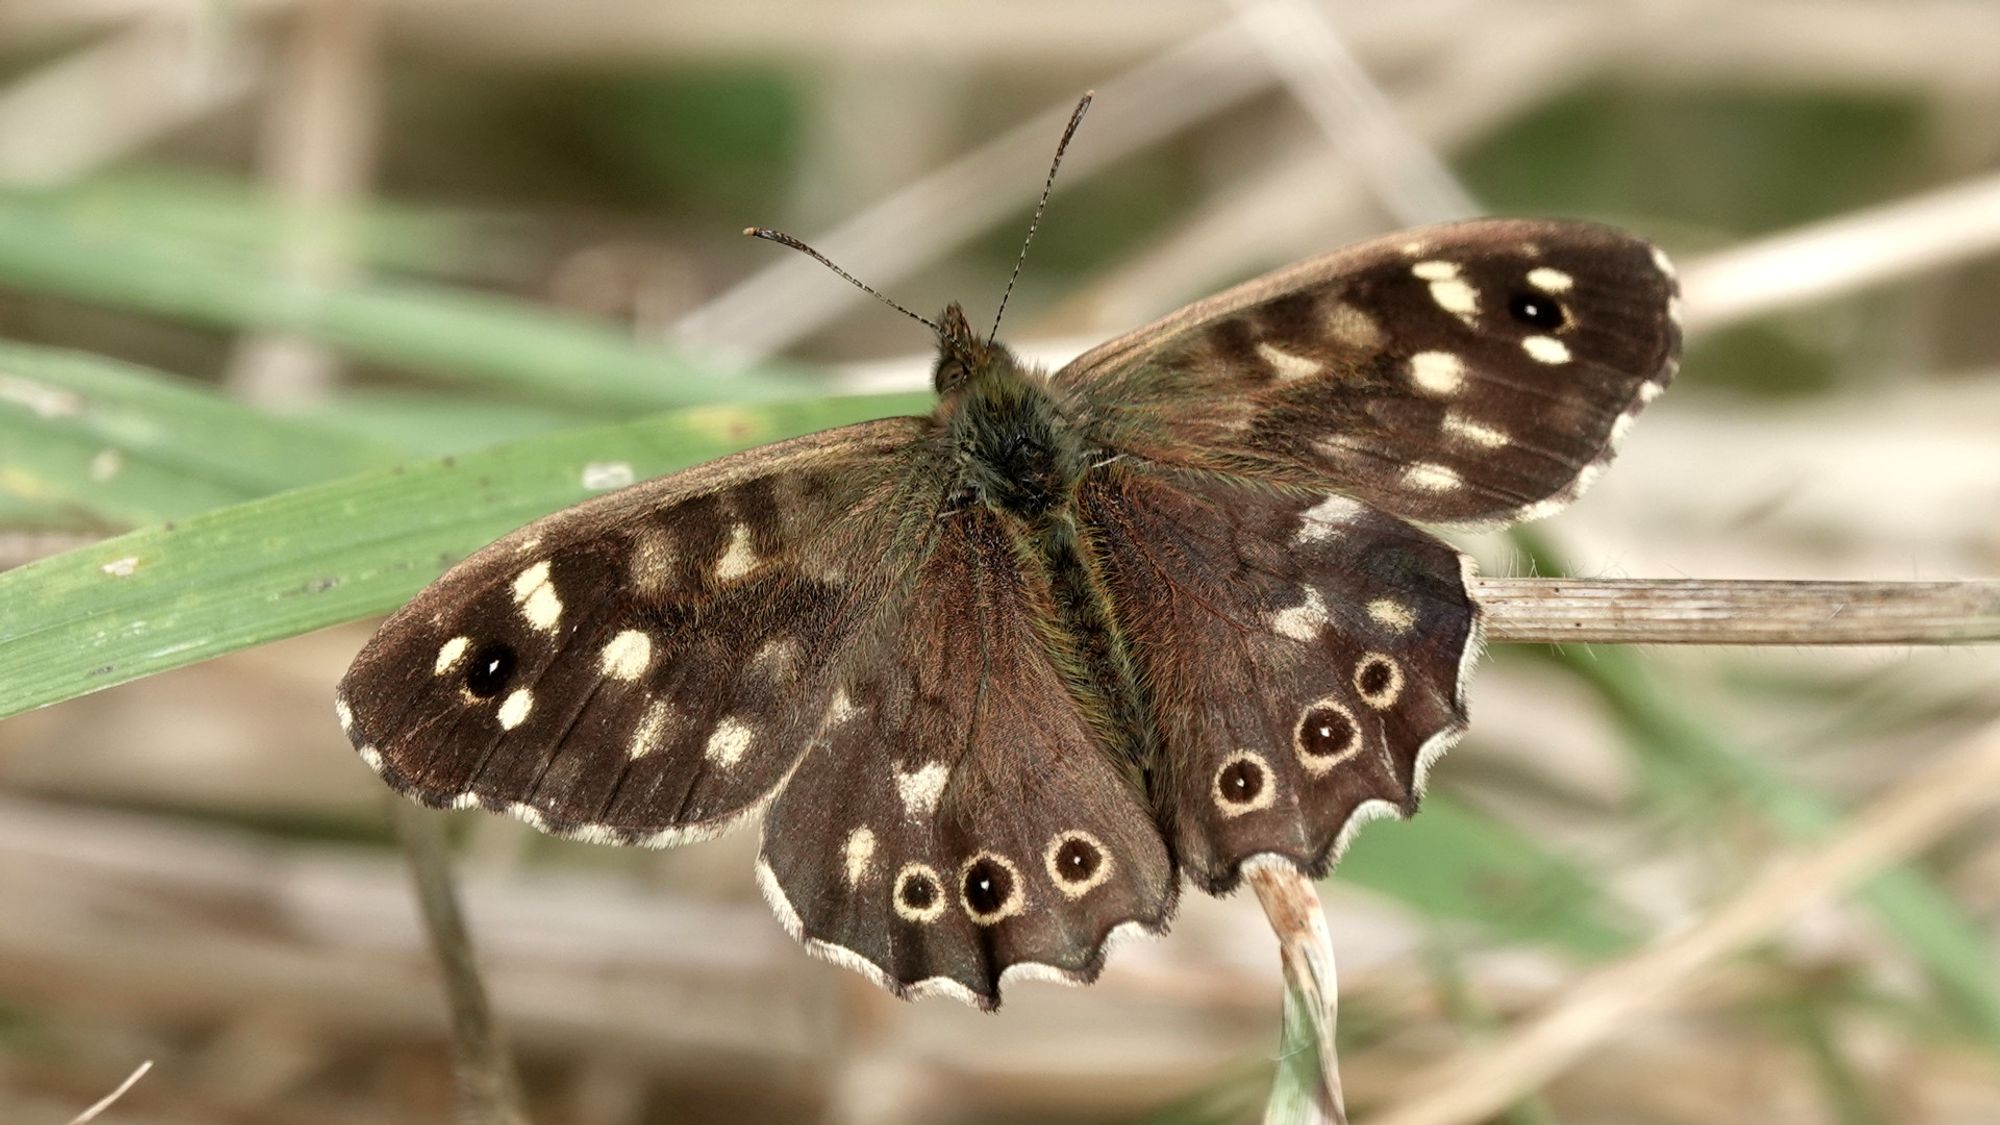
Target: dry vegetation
(1654, 886)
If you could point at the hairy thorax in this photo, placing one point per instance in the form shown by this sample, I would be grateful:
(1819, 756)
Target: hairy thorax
(1017, 450)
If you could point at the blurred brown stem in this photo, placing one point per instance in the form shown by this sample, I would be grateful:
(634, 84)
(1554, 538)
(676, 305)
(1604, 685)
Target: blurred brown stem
(486, 1079)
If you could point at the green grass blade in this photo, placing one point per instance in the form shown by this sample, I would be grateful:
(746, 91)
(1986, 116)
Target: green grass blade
(163, 597)
(132, 446)
(430, 328)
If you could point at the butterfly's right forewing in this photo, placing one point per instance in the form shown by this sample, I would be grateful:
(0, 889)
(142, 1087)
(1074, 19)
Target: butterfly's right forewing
(646, 667)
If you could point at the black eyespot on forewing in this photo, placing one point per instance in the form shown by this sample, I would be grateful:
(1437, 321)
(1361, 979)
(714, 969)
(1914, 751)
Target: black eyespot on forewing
(1374, 677)
(490, 670)
(1537, 310)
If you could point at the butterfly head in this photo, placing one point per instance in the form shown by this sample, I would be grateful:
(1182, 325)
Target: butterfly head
(964, 356)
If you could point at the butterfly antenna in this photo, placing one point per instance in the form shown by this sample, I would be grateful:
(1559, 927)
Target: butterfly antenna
(1049, 184)
(783, 239)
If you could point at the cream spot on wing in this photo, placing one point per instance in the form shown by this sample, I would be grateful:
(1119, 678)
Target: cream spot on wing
(860, 850)
(514, 709)
(345, 714)
(920, 789)
(1351, 326)
(728, 742)
(1546, 349)
(652, 724)
(777, 659)
(1435, 270)
(626, 655)
(1391, 615)
(1438, 373)
(1428, 477)
(1301, 622)
(122, 568)
(1459, 426)
(1286, 365)
(1550, 280)
(654, 561)
(1325, 519)
(1414, 247)
(1662, 262)
(1456, 297)
(1378, 679)
(449, 654)
(464, 801)
(537, 598)
(841, 709)
(371, 757)
(1622, 426)
(1649, 391)
(738, 559)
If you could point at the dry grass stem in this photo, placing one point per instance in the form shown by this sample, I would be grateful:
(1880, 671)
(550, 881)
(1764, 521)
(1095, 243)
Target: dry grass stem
(109, 1099)
(1312, 988)
(1737, 612)
(487, 1083)
(1912, 816)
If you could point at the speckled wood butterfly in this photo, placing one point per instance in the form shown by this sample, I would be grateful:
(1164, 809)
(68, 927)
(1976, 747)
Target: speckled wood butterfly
(1003, 675)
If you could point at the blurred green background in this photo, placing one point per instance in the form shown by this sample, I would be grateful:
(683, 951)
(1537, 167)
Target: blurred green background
(263, 264)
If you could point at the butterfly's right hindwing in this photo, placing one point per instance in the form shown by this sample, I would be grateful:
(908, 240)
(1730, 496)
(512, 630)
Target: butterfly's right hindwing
(646, 667)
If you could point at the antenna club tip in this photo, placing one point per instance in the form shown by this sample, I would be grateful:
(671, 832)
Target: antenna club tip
(753, 231)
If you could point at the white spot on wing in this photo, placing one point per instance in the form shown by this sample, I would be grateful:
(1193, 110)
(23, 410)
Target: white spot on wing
(1301, 622)
(536, 596)
(626, 655)
(738, 559)
(1664, 263)
(1546, 349)
(1459, 426)
(1428, 477)
(728, 742)
(1286, 365)
(1438, 373)
(514, 709)
(1391, 614)
(860, 850)
(1435, 270)
(449, 654)
(345, 713)
(1456, 297)
(652, 724)
(1325, 519)
(1550, 280)
(920, 789)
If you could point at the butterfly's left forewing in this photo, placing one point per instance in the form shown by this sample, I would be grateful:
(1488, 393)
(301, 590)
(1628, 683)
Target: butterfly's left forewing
(1479, 372)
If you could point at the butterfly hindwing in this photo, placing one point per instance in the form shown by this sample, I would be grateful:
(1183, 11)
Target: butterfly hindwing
(1478, 372)
(962, 820)
(645, 667)
(1305, 655)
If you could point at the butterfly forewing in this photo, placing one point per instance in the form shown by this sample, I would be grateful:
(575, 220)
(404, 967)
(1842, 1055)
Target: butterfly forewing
(964, 817)
(1473, 373)
(1305, 654)
(647, 666)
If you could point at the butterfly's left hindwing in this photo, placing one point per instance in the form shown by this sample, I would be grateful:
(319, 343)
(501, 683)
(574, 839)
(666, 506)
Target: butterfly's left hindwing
(964, 821)
(646, 667)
